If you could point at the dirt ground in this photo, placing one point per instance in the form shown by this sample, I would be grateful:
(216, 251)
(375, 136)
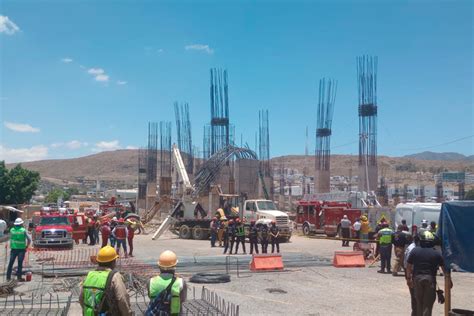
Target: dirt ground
(309, 284)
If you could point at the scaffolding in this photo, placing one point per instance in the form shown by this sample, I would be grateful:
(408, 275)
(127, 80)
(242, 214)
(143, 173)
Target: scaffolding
(183, 133)
(165, 158)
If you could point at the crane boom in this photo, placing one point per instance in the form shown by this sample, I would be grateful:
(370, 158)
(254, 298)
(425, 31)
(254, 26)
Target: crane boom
(183, 174)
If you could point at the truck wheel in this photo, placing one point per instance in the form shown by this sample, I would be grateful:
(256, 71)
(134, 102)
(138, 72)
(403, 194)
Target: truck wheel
(184, 232)
(306, 230)
(199, 233)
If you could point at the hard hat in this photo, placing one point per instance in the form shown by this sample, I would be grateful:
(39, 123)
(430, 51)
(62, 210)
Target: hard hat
(107, 254)
(237, 220)
(167, 259)
(214, 218)
(114, 218)
(18, 221)
(273, 222)
(231, 221)
(424, 221)
(363, 218)
(252, 221)
(345, 216)
(121, 220)
(223, 218)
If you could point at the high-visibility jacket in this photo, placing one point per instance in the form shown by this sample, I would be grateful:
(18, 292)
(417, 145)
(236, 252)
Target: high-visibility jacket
(121, 232)
(159, 284)
(18, 237)
(364, 227)
(385, 236)
(240, 231)
(93, 291)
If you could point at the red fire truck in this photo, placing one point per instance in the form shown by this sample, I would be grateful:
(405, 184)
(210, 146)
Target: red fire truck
(322, 213)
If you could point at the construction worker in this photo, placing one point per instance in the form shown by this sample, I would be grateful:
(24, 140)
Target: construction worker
(90, 231)
(96, 229)
(240, 235)
(423, 264)
(356, 226)
(113, 224)
(384, 237)
(364, 229)
(264, 237)
(220, 231)
(424, 227)
(3, 226)
(253, 237)
(275, 234)
(105, 232)
(131, 235)
(19, 242)
(433, 227)
(167, 264)
(229, 236)
(415, 243)
(404, 225)
(213, 226)
(400, 241)
(103, 291)
(345, 230)
(120, 233)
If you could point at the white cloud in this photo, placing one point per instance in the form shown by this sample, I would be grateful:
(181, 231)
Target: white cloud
(200, 47)
(7, 26)
(23, 154)
(121, 83)
(104, 145)
(131, 147)
(56, 145)
(102, 78)
(22, 128)
(73, 144)
(66, 60)
(96, 71)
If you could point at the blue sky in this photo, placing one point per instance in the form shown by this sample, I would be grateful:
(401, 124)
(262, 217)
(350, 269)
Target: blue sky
(77, 77)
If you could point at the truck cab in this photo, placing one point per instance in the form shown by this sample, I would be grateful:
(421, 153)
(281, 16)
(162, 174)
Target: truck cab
(52, 228)
(265, 211)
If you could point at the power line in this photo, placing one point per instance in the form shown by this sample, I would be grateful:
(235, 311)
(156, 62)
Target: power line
(442, 144)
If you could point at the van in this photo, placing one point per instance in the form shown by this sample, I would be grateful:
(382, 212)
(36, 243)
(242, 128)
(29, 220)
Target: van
(414, 213)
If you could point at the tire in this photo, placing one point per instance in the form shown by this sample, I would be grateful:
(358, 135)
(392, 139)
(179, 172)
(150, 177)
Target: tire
(210, 278)
(199, 233)
(185, 232)
(306, 229)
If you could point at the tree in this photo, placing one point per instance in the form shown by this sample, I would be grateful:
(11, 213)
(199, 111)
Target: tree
(469, 195)
(17, 185)
(53, 196)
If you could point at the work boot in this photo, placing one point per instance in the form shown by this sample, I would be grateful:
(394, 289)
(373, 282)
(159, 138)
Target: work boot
(21, 280)
(381, 271)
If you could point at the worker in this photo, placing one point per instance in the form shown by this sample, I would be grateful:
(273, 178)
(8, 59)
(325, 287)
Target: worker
(167, 280)
(423, 264)
(356, 227)
(96, 229)
(424, 227)
(131, 235)
(400, 241)
(19, 242)
(229, 236)
(253, 237)
(264, 237)
(220, 231)
(120, 233)
(404, 225)
(364, 229)
(3, 226)
(103, 291)
(213, 226)
(384, 237)
(433, 227)
(275, 235)
(415, 242)
(105, 232)
(90, 231)
(345, 230)
(113, 223)
(240, 235)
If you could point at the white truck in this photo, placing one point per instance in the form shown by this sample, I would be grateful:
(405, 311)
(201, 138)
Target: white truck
(265, 211)
(415, 213)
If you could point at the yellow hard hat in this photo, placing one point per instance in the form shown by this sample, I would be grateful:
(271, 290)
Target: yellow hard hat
(107, 254)
(363, 217)
(167, 259)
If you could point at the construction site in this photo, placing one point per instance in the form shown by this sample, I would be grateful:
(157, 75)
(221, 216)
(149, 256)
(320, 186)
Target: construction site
(183, 189)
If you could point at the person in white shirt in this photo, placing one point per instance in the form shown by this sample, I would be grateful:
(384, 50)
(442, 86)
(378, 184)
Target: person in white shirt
(3, 227)
(356, 227)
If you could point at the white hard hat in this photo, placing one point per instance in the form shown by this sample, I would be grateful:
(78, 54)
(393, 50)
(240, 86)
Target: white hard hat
(424, 221)
(345, 216)
(115, 218)
(18, 221)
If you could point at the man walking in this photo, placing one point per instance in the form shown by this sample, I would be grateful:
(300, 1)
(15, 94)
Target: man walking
(345, 230)
(423, 264)
(167, 279)
(400, 240)
(19, 242)
(356, 226)
(385, 247)
(103, 291)
(130, 236)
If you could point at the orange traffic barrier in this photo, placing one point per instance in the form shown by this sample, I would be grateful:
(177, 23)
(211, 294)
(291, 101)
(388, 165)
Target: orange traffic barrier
(266, 262)
(348, 259)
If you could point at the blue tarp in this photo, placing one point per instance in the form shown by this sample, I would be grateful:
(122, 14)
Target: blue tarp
(456, 230)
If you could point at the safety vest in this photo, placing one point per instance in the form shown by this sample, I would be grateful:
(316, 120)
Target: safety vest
(18, 237)
(120, 232)
(386, 236)
(159, 284)
(240, 230)
(93, 291)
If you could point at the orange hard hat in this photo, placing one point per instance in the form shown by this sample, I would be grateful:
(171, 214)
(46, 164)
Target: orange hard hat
(237, 220)
(121, 220)
(168, 259)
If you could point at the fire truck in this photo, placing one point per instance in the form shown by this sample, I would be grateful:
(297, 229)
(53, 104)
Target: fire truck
(322, 212)
(59, 227)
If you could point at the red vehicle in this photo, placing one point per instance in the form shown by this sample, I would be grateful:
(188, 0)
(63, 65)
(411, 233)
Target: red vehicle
(57, 227)
(323, 217)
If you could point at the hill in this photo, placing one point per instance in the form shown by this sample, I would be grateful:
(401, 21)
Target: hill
(446, 156)
(120, 167)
